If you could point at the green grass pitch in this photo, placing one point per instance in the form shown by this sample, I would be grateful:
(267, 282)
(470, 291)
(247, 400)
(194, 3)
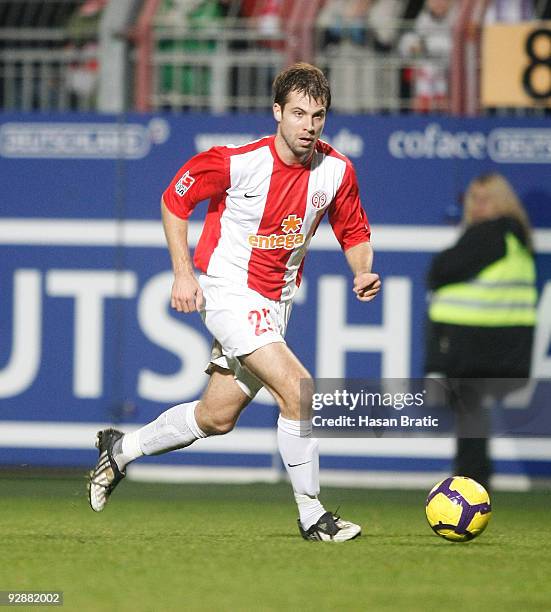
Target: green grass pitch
(222, 547)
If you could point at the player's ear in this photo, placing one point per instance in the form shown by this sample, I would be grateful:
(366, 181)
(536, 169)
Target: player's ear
(277, 112)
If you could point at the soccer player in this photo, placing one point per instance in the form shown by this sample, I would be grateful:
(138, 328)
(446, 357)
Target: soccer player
(266, 200)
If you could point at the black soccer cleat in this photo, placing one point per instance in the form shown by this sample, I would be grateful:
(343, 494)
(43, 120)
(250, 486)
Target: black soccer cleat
(106, 475)
(330, 528)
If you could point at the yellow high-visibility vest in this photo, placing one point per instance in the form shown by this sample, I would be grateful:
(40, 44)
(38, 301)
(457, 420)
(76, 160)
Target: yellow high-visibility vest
(504, 294)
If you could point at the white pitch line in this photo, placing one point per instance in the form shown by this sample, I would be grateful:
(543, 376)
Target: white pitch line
(149, 234)
(333, 478)
(260, 440)
(81, 436)
(218, 474)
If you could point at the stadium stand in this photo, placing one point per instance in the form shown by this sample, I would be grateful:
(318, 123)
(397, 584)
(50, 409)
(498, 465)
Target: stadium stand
(48, 54)
(221, 55)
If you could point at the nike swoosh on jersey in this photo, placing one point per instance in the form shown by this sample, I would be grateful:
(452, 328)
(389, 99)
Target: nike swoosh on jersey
(254, 195)
(297, 464)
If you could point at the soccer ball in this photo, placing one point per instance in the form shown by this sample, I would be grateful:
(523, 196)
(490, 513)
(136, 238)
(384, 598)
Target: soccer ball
(458, 509)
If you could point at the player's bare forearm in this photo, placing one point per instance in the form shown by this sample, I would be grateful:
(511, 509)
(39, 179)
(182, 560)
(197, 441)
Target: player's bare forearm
(360, 258)
(186, 293)
(176, 231)
(366, 283)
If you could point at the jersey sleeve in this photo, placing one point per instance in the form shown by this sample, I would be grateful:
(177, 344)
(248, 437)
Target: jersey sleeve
(346, 215)
(202, 177)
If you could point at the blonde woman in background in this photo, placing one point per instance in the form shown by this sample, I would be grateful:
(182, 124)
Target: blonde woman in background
(482, 312)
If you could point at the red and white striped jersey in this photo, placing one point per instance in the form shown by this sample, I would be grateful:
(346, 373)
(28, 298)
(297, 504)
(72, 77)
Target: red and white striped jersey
(263, 212)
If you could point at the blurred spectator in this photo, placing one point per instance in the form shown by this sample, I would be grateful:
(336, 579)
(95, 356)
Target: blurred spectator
(360, 22)
(192, 78)
(431, 41)
(482, 314)
(82, 73)
(266, 17)
(341, 20)
(383, 22)
(354, 33)
(268, 20)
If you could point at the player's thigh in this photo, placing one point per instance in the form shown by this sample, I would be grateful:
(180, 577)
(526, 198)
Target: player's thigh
(239, 318)
(284, 376)
(221, 403)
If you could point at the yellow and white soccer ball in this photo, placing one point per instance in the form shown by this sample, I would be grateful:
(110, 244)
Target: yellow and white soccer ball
(458, 508)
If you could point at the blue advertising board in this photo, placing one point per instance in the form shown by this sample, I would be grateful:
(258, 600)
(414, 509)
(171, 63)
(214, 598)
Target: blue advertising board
(87, 336)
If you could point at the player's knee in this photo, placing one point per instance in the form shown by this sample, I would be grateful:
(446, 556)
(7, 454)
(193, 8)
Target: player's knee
(219, 425)
(224, 427)
(218, 415)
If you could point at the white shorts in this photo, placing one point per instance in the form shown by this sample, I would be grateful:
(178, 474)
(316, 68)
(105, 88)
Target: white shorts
(241, 321)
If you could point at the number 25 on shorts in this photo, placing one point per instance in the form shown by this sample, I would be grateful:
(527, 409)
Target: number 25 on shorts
(261, 320)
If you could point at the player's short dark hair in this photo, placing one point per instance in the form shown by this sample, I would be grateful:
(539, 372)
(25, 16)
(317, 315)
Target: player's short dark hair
(304, 78)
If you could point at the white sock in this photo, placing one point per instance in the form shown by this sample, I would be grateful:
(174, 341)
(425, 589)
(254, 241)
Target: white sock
(300, 456)
(127, 449)
(174, 428)
(310, 509)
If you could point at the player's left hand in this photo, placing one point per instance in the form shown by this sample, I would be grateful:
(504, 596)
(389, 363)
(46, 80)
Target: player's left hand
(366, 286)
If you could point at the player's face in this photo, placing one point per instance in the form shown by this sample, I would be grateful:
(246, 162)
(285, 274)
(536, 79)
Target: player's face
(301, 122)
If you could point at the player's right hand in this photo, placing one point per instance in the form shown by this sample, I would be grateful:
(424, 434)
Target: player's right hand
(187, 295)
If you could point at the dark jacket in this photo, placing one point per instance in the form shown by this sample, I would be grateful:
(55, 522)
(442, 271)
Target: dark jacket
(463, 351)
